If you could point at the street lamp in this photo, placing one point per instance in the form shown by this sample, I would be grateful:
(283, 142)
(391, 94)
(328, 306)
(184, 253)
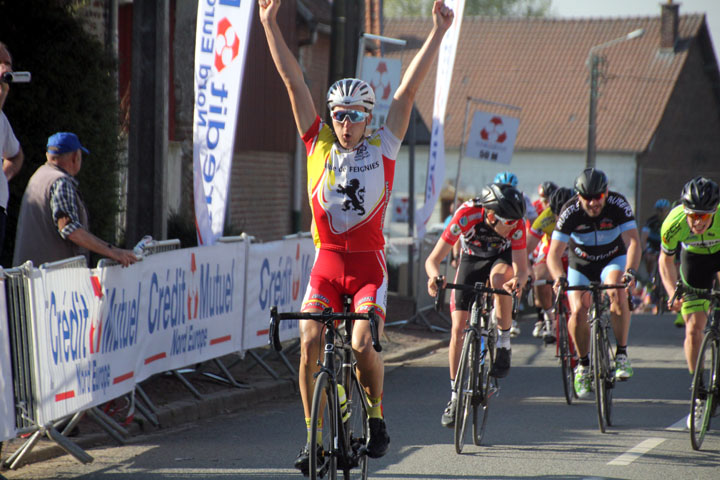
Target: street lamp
(594, 63)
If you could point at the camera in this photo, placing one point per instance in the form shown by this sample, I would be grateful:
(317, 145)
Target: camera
(15, 77)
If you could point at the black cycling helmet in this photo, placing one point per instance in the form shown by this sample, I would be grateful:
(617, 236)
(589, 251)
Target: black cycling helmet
(505, 200)
(591, 182)
(546, 189)
(700, 195)
(559, 198)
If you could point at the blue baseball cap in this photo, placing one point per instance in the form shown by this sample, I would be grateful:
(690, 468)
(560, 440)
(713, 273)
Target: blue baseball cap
(64, 142)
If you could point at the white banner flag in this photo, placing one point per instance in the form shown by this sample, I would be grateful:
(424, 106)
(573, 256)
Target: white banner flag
(492, 137)
(221, 39)
(436, 161)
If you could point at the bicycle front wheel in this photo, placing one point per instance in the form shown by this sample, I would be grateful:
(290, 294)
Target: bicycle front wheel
(603, 374)
(465, 386)
(356, 430)
(324, 416)
(566, 357)
(704, 390)
(485, 387)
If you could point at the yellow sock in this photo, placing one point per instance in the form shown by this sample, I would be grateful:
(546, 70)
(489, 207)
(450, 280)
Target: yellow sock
(308, 421)
(375, 409)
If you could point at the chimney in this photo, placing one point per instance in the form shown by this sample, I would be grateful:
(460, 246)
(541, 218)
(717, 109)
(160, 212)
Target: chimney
(669, 26)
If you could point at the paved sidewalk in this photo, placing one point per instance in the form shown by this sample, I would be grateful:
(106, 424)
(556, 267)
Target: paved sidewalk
(176, 405)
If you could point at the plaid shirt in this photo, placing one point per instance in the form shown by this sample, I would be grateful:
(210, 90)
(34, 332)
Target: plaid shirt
(63, 202)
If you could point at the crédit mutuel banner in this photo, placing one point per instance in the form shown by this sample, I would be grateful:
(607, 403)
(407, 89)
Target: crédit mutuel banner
(99, 332)
(436, 161)
(221, 39)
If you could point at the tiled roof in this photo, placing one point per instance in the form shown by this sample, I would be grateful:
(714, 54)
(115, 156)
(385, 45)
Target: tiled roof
(540, 66)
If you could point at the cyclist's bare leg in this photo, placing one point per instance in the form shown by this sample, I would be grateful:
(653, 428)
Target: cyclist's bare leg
(370, 366)
(619, 308)
(457, 334)
(310, 344)
(501, 273)
(577, 323)
(694, 327)
(543, 293)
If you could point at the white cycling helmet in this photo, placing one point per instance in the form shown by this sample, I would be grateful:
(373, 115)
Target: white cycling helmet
(351, 91)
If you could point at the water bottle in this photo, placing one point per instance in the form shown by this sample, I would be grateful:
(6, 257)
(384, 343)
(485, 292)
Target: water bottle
(344, 413)
(16, 77)
(139, 249)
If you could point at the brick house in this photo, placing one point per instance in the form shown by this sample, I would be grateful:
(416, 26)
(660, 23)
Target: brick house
(658, 116)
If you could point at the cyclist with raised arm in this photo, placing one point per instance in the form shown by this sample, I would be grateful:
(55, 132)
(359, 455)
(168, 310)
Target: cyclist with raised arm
(598, 227)
(693, 228)
(539, 238)
(493, 248)
(350, 177)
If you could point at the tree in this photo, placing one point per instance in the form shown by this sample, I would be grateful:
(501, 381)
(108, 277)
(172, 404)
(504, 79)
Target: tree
(72, 89)
(492, 8)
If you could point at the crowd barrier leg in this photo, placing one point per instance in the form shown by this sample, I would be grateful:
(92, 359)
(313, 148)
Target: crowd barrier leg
(178, 374)
(228, 378)
(67, 445)
(107, 423)
(72, 423)
(259, 360)
(63, 442)
(149, 416)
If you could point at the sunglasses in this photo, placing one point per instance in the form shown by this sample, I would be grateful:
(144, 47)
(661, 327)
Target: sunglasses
(354, 116)
(504, 221)
(597, 196)
(698, 216)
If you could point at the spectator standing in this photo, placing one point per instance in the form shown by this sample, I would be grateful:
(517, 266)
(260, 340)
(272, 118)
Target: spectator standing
(12, 154)
(53, 220)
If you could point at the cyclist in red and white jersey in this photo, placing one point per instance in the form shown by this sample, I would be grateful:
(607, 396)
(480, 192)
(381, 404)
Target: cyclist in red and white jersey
(493, 248)
(350, 177)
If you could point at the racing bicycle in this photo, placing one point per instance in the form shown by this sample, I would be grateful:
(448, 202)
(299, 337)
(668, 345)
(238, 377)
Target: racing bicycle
(601, 352)
(345, 423)
(474, 386)
(706, 379)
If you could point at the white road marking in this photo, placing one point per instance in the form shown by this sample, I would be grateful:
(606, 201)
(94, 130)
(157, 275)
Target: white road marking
(679, 426)
(637, 451)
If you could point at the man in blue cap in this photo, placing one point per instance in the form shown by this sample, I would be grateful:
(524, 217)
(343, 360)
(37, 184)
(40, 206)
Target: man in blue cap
(53, 220)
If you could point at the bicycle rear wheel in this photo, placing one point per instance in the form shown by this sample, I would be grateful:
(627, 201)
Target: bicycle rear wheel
(465, 385)
(704, 390)
(601, 375)
(485, 388)
(356, 430)
(566, 355)
(324, 413)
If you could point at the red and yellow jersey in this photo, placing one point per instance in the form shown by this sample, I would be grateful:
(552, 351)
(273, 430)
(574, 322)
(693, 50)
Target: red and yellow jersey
(349, 190)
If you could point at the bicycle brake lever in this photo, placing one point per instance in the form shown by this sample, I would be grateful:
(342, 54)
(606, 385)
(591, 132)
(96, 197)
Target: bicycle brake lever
(274, 330)
(372, 318)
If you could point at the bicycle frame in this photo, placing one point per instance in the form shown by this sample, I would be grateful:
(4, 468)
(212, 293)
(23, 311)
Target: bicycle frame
(344, 450)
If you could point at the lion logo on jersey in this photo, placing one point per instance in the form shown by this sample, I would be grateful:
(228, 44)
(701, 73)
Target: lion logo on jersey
(355, 196)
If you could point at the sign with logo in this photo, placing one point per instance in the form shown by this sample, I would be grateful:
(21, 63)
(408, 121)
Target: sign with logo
(492, 137)
(278, 274)
(100, 332)
(7, 404)
(221, 40)
(383, 75)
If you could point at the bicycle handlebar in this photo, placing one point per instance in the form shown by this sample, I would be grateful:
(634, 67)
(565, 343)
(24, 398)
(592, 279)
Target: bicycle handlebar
(478, 288)
(680, 288)
(594, 286)
(326, 317)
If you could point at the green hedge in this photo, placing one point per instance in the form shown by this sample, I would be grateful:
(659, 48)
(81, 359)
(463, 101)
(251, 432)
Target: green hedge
(72, 89)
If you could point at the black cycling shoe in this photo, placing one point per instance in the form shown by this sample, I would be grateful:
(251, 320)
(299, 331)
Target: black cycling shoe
(377, 444)
(501, 366)
(448, 416)
(302, 461)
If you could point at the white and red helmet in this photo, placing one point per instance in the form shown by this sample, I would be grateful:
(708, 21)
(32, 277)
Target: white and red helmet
(351, 92)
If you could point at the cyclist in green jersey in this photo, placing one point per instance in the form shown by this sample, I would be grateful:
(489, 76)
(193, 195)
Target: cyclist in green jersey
(693, 228)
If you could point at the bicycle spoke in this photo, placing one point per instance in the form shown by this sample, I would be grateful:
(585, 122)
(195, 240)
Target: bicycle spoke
(704, 390)
(464, 389)
(322, 458)
(356, 432)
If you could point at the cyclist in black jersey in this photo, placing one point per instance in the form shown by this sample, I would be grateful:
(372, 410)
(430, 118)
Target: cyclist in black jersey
(599, 229)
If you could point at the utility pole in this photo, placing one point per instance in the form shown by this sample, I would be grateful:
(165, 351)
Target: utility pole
(347, 26)
(148, 139)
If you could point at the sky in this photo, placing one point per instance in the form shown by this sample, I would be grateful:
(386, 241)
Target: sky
(633, 8)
